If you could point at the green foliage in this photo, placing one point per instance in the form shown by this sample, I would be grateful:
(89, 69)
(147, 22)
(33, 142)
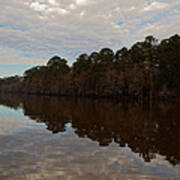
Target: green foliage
(106, 56)
(82, 64)
(145, 50)
(56, 63)
(121, 54)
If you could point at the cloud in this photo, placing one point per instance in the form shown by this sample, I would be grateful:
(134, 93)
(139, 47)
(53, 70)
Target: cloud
(53, 2)
(155, 6)
(43, 28)
(55, 155)
(38, 7)
(12, 56)
(57, 11)
(82, 2)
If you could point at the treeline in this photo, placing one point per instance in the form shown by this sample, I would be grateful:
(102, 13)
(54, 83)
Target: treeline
(148, 69)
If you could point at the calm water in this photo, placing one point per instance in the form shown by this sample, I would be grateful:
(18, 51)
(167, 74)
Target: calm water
(74, 139)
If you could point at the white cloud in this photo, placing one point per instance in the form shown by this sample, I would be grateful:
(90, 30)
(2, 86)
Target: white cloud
(72, 6)
(43, 28)
(38, 7)
(81, 2)
(82, 13)
(155, 6)
(52, 7)
(53, 2)
(57, 10)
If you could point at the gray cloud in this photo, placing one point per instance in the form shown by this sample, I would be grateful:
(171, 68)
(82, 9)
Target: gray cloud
(42, 28)
(41, 155)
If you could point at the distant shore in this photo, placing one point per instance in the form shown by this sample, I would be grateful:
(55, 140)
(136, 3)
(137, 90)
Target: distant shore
(147, 70)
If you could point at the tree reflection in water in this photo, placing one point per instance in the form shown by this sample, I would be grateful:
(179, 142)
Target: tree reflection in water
(147, 131)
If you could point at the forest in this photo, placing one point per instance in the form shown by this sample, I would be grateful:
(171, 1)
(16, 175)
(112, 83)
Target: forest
(148, 69)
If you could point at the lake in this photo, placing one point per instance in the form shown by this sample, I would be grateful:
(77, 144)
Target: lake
(77, 138)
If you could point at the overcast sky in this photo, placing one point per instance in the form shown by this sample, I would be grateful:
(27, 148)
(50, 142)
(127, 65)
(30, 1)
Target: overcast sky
(32, 31)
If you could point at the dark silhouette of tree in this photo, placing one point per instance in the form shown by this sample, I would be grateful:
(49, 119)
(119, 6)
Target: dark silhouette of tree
(169, 62)
(121, 54)
(58, 64)
(145, 71)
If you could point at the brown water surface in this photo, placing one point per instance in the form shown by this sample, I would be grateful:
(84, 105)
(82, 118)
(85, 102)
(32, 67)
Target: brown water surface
(72, 139)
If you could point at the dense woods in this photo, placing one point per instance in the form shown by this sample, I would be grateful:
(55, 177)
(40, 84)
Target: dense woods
(148, 69)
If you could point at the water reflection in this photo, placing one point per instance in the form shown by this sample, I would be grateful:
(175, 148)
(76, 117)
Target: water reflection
(146, 131)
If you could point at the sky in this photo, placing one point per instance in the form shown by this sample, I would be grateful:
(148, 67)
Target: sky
(32, 31)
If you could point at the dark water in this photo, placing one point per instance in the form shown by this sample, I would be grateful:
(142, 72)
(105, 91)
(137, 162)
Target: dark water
(74, 139)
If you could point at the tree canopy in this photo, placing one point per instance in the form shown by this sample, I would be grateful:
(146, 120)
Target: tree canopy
(145, 70)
